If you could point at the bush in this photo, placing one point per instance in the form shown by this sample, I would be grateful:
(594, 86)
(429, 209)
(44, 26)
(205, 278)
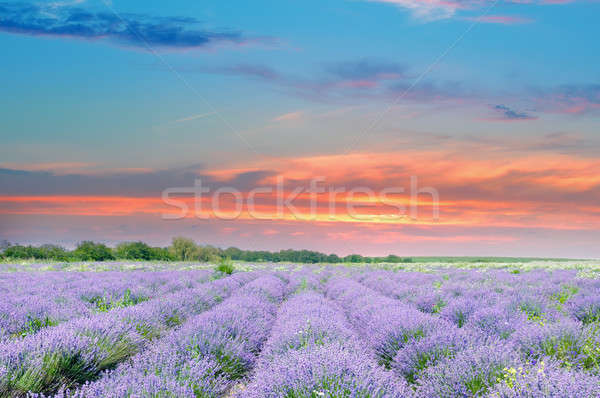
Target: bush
(21, 252)
(133, 251)
(225, 266)
(90, 251)
(209, 254)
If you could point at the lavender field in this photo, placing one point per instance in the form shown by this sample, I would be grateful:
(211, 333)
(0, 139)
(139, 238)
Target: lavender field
(298, 331)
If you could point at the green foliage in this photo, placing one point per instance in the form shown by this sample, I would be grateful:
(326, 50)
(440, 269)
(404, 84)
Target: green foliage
(439, 305)
(183, 249)
(133, 251)
(392, 258)
(590, 316)
(461, 318)
(104, 304)
(34, 325)
(575, 351)
(426, 359)
(534, 313)
(44, 252)
(91, 251)
(387, 353)
(565, 294)
(56, 369)
(225, 266)
(209, 254)
(173, 320)
(289, 255)
(479, 384)
(355, 258)
(232, 366)
(146, 331)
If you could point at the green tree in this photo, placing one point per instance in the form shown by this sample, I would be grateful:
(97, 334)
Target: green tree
(392, 258)
(91, 251)
(333, 258)
(133, 251)
(19, 251)
(53, 252)
(183, 249)
(354, 258)
(161, 254)
(209, 254)
(233, 253)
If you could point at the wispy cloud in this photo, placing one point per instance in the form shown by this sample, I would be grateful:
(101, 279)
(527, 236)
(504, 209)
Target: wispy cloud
(256, 71)
(54, 167)
(574, 99)
(365, 72)
(352, 81)
(429, 9)
(194, 117)
(501, 19)
(503, 112)
(341, 81)
(432, 10)
(127, 29)
(289, 116)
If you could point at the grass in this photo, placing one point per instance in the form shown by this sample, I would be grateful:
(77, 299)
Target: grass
(575, 351)
(34, 325)
(225, 266)
(104, 304)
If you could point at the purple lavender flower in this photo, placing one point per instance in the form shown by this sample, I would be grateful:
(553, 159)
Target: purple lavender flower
(331, 370)
(545, 380)
(415, 357)
(470, 373)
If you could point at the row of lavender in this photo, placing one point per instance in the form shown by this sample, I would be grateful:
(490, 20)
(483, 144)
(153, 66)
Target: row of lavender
(31, 301)
(314, 352)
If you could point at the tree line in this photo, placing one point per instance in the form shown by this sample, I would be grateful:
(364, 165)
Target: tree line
(181, 249)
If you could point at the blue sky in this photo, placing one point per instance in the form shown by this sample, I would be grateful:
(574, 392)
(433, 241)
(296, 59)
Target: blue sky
(131, 90)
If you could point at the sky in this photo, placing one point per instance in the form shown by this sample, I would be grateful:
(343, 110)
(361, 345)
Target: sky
(449, 127)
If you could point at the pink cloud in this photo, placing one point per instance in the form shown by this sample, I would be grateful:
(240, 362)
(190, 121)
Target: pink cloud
(289, 116)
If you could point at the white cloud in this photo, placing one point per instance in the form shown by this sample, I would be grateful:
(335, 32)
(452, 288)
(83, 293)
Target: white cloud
(427, 9)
